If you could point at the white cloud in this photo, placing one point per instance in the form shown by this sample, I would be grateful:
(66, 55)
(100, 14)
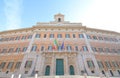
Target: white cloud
(12, 11)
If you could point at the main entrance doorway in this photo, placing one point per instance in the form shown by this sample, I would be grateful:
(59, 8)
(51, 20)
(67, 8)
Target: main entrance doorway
(59, 67)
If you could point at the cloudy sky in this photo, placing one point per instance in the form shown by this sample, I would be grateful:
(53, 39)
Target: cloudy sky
(101, 14)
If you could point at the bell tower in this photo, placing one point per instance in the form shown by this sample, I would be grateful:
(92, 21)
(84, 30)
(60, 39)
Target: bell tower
(59, 17)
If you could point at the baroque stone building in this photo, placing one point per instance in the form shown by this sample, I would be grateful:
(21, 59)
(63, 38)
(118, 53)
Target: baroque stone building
(59, 48)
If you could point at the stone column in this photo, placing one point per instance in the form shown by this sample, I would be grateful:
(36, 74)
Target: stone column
(53, 65)
(38, 64)
(76, 68)
(66, 68)
(42, 69)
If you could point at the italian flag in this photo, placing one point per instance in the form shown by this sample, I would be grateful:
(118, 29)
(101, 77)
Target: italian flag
(55, 44)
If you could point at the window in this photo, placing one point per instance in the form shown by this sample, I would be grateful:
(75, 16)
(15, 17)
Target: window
(76, 48)
(0, 39)
(88, 37)
(34, 48)
(45, 35)
(67, 35)
(85, 48)
(10, 65)
(23, 37)
(81, 36)
(94, 49)
(118, 71)
(30, 36)
(59, 48)
(100, 38)
(18, 64)
(59, 36)
(59, 19)
(28, 64)
(26, 72)
(49, 48)
(118, 50)
(42, 48)
(107, 63)
(111, 73)
(100, 64)
(17, 49)
(116, 40)
(10, 50)
(47, 70)
(51, 35)
(71, 70)
(103, 72)
(24, 49)
(17, 38)
(115, 64)
(12, 38)
(4, 50)
(37, 36)
(94, 37)
(69, 48)
(107, 50)
(114, 51)
(100, 49)
(92, 71)
(90, 64)
(2, 65)
(73, 35)
(6, 39)
(105, 38)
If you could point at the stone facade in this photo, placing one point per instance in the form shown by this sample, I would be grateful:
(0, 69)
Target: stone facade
(83, 48)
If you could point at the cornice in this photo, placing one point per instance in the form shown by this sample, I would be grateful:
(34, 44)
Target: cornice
(103, 31)
(60, 26)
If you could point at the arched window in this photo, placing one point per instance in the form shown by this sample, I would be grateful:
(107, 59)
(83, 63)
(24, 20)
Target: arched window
(47, 70)
(59, 19)
(71, 70)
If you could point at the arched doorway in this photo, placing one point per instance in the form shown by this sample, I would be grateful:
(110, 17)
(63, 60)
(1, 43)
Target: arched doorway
(47, 70)
(71, 70)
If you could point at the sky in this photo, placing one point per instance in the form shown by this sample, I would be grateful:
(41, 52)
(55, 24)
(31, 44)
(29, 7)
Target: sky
(100, 14)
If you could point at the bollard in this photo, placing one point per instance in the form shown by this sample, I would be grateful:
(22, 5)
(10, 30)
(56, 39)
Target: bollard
(85, 75)
(12, 76)
(19, 76)
(101, 75)
(107, 75)
(36, 75)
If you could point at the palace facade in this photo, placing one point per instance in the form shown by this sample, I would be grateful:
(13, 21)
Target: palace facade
(59, 48)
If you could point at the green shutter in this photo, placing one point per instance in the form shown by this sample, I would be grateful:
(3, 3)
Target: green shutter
(72, 70)
(59, 67)
(47, 70)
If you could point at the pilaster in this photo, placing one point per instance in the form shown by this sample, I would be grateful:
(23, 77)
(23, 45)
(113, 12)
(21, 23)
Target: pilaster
(66, 65)
(53, 65)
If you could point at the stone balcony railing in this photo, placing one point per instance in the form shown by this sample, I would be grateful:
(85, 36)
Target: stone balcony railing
(75, 76)
(66, 76)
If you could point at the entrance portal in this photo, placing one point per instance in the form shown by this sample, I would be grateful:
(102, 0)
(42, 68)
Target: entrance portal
(59, 67)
